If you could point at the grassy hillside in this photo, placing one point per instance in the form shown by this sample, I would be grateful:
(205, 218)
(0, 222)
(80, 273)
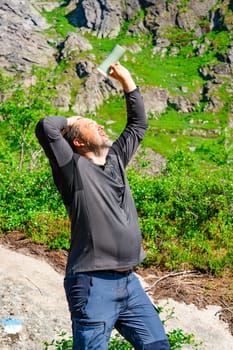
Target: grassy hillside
(168, 72)
(185, 213)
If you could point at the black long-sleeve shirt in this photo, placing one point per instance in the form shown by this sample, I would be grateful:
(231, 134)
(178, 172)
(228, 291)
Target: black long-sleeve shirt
(104, 225)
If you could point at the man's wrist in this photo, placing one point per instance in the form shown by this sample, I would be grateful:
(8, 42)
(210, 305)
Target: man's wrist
(128, 85)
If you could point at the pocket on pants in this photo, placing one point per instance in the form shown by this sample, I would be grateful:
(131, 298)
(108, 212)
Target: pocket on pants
(88, 325)
(88, 334)
(77, 291)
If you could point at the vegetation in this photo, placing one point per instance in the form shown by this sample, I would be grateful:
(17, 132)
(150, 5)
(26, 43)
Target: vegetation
(185, 213)
(177, 338)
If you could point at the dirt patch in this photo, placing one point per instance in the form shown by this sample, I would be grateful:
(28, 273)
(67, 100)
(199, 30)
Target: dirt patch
(190, 287)
(193, 288)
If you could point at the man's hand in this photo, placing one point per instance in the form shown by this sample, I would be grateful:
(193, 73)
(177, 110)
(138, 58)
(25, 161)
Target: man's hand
(72, 120)
(122, 74)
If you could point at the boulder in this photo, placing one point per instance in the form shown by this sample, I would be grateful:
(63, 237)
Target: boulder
(201, 8)
(63, 99)
(137, 28)
(47, 6)
(22, 41)
(84, 68)
(222, 69)
(181, 104)
(211, 95)
(73, 45)
(94, 91)
(155, 100)
(102, 17)
(131, 8)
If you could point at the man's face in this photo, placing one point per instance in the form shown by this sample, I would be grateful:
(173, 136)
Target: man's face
(93, 134)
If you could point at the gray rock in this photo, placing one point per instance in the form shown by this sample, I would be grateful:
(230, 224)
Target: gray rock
(211, 95)
(155, 100)
(222, 69)
(201, 49)
(137, 28)
(162, 42)
(103, 17)
(135, 48)
(201, 7)
(216, 72)
(22, 41)
(181, 104)
(160, 16)
(73, 45)
(94, 91)
(131, 8)
(187, 20)
(84, 68)
(206, 73)
(46, 6)
(63, 99)
(174, 51)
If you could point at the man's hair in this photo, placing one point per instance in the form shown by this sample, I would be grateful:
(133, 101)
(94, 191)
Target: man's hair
(70, 133)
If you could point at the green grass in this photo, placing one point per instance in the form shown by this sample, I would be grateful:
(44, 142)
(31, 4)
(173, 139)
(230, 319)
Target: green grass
(185, 214)
(169, 73)
(171, 131)
(59, 23)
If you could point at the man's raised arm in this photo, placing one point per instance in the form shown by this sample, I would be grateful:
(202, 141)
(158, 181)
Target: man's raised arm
(128, 142)
(48, 131)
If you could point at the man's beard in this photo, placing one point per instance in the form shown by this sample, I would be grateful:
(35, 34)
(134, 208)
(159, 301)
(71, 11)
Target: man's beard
(98, 149)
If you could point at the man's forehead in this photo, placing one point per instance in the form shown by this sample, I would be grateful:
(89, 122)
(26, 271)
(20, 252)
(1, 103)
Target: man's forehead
(82, 120)
(85, 121)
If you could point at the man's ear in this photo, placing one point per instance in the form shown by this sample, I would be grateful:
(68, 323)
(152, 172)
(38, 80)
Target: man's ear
(78, 143)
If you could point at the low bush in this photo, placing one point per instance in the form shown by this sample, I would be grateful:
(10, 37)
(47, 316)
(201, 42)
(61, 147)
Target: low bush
(184, 214)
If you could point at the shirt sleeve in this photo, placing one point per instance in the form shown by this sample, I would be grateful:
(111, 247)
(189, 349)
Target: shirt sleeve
(57, 149)
(127, 143)
(59, 153)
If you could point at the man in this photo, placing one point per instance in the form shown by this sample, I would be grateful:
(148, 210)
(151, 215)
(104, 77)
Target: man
(89, 171)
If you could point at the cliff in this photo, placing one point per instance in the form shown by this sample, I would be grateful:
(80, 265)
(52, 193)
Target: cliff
(29, 36)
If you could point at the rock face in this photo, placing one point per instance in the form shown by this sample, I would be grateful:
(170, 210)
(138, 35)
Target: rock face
(73, 45)
(170, 13)
(155, 100)
(103, 17)
(22, 43)
(95, 90)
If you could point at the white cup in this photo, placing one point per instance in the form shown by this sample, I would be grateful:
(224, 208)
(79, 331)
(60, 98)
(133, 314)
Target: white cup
(114, 56)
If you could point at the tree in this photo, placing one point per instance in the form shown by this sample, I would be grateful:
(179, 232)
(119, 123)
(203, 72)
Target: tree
(24, 100)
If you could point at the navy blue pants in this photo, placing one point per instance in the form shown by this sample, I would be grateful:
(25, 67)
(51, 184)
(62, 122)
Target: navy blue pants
(99, 301)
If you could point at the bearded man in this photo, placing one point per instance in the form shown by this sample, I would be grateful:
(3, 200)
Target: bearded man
(88, 169)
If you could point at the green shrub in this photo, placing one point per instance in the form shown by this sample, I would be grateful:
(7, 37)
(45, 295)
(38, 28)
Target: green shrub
(184, 215)
(177, 338)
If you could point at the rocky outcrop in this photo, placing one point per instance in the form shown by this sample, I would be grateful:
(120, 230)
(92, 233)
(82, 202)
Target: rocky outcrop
(182, 104)
(73, 45)
(94, 91)
(155, 100)
(102, 17)
(22, 41)
(216, 76)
